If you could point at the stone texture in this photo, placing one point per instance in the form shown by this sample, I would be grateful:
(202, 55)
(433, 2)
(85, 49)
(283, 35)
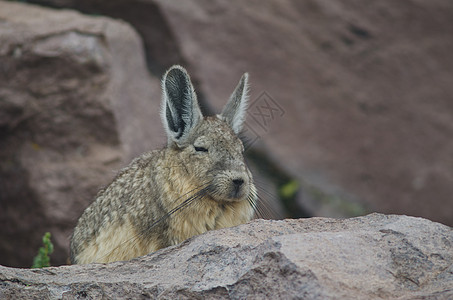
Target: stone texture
(371, 257)
(162, 47)
(362, 90)
(74, 97)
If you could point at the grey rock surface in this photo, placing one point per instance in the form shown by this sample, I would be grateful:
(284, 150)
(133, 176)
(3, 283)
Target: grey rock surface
(75, 95)
(371, 257)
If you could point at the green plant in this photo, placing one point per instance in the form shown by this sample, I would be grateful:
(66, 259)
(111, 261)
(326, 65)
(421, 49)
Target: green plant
(289, 189)
(42, 260)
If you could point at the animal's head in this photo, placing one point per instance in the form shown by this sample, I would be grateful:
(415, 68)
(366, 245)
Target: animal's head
(210, 149)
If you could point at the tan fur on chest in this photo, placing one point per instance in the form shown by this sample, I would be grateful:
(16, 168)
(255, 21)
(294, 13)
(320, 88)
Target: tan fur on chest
(207, 215)
(202, 214)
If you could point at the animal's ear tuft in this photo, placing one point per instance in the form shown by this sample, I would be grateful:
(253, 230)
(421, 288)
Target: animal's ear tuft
(180, 111)
(234, 111)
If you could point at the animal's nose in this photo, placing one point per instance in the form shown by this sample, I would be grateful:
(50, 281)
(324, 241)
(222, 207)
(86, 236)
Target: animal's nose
(238, 182)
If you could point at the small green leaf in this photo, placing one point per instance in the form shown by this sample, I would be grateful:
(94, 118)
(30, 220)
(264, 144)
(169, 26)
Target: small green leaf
(289, 189)
(42, 260)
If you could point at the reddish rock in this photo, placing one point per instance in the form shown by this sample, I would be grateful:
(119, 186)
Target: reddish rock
(364, 88)
(75, 97)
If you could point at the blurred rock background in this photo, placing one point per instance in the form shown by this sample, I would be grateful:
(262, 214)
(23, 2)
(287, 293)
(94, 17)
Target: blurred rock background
(351, 103)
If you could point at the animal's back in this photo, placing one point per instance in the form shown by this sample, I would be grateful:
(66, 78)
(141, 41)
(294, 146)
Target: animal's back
(107, 230)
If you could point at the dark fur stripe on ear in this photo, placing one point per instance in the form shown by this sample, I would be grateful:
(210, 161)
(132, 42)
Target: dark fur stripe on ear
(178, 88)
(180, 111)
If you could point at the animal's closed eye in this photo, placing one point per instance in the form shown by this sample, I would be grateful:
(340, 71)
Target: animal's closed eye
(201, 149)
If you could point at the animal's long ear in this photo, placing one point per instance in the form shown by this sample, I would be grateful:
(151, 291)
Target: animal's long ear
(180, 111)
(234, 111)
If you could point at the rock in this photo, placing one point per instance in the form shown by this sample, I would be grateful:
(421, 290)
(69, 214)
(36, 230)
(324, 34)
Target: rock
(75, 99)
(360, 92)
(162, 47)
(352, 98)
(371, 257)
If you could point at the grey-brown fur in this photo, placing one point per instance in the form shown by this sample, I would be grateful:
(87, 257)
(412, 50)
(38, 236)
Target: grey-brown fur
(201, 172)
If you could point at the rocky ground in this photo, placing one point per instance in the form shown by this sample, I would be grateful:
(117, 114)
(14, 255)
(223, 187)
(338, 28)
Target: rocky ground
(372, 257)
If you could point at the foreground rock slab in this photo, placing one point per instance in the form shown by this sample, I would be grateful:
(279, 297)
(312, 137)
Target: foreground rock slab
(371, 257)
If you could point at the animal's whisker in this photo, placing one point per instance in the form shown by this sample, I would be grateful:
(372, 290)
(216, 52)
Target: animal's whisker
(196, 196)
(264, 210)
(267, 201)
